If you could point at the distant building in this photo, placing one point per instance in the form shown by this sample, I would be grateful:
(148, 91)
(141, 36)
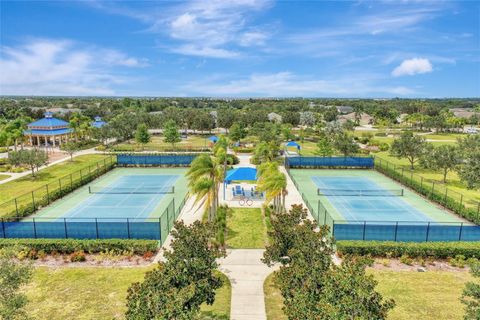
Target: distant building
(48, 131)
(464, 112)
(365, 119)
(98, 123)
(274, 117)
(344, 109)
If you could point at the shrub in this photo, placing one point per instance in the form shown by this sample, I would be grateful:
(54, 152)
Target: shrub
(437, 250)
(67, 246)
(78, 256)
(232, 159)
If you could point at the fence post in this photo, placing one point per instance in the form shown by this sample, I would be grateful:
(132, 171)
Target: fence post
(428, 231)
(81, 177)
(421, 182)
(16, 206)
(364, 227)
(34, 229)
(65, 226)
(411, 177)
(160, 230)
(461, 200)
(60, 185)
(48, 194)
(396, 230)
(460, 234)
(3, 228)
(445, 198)
(128, 228)
(96, 226)
(33, 201)
(71, 181)
(433, 188)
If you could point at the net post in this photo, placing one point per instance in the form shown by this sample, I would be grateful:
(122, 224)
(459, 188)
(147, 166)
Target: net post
(460, 233)
(403, 190)
(173, 189)
(65, 226)
(89, 189)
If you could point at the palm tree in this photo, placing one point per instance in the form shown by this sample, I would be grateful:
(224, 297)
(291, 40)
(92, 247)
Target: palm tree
(274, 184)
(204, 178)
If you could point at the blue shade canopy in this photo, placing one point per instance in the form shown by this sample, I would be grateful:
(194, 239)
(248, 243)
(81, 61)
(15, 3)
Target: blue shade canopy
(49, 122)
(213, 139)
(293, 144)
(245, 174)
(98, 123)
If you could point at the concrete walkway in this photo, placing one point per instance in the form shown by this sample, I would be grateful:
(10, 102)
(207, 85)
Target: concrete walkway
(247, 274)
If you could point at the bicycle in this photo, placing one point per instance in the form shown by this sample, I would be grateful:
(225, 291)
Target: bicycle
(245, 201)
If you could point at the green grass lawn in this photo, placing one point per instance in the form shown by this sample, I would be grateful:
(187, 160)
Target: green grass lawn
(4, 176)
(453, 181)
(28, 183)
(431, 295)
(157, 143)
(97, 293)
(246, 229)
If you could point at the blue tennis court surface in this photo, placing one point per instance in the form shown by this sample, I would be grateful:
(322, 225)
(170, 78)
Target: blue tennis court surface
(125, 204)
(387, 207)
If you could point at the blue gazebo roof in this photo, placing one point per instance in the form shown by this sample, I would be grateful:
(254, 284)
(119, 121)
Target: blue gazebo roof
(98, 123)
(48, 122)
(243, 173)
(213, 139)
(48, 126)
(292, 144)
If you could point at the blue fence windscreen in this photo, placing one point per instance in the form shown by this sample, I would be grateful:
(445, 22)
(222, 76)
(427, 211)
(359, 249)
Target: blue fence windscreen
(85, 229)
(138, 159)
(405, 231)
(360, 162)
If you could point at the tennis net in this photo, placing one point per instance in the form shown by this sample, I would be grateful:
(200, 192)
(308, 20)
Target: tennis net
(364, 192)
(130, 190)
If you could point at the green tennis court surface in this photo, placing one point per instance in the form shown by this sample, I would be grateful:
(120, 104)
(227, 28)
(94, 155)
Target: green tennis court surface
(365, 195)
(136, 193)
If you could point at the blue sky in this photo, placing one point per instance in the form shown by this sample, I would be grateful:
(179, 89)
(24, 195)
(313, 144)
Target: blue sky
(241, 48)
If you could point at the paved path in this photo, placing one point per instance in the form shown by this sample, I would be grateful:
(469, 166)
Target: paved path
(247, 274)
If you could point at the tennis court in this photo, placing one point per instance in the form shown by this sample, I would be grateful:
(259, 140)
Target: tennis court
(365, 195)
(135, 193)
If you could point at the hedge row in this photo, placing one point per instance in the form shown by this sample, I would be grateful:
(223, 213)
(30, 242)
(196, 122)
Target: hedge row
(66, 246)
(438, 250)
(471, 214)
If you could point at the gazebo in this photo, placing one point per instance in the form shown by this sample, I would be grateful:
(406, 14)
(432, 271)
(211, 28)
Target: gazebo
(240, 174)
(292, 144)
(48, 130)
(98, 123)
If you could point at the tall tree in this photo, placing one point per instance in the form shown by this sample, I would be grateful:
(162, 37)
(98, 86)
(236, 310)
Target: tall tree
(324, 147)
(171, 134)
(226, 117)
(471, 294)
(71, 148)
(409, 146)
(445, 158)
(13, 275)
(236, 132)
(345, 144)
(177, 287)
(204, 178)
(273, 183)
(142, 136)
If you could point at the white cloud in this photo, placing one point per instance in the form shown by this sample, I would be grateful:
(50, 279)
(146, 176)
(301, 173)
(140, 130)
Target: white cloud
(287, 84)
(193, 50)
(253, 38)
(60, 67)
(413, 66)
